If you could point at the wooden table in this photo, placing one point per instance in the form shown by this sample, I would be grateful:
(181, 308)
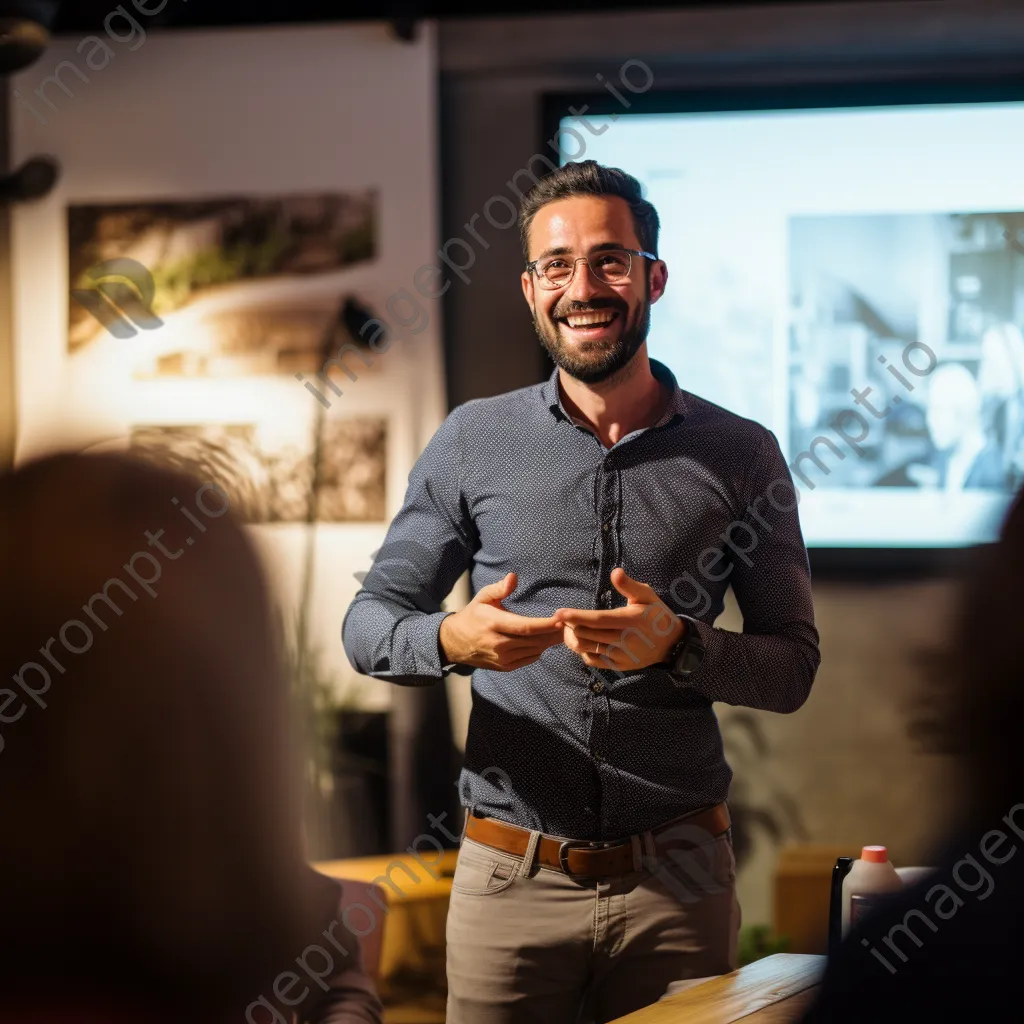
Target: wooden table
(775, 990)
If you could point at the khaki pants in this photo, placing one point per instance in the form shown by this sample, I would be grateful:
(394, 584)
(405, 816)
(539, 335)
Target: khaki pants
(528, 945)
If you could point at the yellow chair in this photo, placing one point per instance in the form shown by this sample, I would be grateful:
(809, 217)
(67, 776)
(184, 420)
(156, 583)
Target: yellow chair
(409, 954)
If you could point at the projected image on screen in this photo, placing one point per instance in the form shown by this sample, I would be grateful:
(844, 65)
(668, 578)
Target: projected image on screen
(947, 416)
(853, 279)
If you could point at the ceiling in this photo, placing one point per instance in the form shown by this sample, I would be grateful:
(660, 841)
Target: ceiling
(86, 15)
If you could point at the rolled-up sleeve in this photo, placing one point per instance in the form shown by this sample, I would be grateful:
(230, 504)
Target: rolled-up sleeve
(772, 663)
(390, 630)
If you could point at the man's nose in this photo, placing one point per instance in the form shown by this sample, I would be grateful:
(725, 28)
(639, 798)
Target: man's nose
(583, 285)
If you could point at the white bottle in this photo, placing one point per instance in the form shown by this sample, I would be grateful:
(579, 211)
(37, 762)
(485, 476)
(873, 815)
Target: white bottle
(871, 880)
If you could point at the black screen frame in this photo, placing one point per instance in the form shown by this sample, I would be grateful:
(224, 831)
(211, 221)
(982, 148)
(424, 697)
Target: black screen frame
(851, 563)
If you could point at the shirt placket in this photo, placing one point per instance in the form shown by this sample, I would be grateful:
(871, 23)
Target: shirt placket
(607, 497)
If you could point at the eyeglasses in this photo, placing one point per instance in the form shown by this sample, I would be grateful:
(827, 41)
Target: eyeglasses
(610, 266)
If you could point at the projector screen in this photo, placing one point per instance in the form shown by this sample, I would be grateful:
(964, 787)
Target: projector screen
(852, 278)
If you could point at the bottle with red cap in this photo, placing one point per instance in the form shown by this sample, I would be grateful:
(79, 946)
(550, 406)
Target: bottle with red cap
(871, 881)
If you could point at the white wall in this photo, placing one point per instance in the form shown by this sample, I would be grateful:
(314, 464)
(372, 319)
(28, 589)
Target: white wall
(179, 115)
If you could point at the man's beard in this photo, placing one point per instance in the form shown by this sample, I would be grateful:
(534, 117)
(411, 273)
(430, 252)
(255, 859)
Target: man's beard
(593, 362)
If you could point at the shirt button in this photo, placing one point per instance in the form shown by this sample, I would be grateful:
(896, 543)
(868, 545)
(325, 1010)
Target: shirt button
(605, 527)
(597, 686)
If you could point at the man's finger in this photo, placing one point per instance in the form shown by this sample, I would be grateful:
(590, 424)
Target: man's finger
(536, 641)
(614, 618)
(614, 660)
(523, 625)
(524, 645)
(632, 589)
(496, 591)
(602, 636)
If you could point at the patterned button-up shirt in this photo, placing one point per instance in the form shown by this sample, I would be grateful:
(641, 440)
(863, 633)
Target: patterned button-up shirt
(701, 500)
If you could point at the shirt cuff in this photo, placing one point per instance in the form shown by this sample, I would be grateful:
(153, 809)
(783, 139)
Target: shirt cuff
(704, 632)
(423, 641)
(706, 635)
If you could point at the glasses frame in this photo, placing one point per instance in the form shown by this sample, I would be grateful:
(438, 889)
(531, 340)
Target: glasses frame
(531, 267)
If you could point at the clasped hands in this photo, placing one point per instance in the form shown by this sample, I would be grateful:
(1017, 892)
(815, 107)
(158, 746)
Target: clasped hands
(485, 635)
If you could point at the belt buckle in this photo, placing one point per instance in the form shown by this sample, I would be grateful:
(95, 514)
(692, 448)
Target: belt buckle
(586, 844)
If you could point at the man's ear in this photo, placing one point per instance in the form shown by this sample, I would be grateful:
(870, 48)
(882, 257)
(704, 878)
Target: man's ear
(527, 280)
(659, 279)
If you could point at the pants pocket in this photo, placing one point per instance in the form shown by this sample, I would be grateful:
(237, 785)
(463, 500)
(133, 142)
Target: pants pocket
(483, 871)
(706, 869)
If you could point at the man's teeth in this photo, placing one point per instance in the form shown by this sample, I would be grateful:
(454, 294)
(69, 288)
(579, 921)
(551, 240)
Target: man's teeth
(590, 319)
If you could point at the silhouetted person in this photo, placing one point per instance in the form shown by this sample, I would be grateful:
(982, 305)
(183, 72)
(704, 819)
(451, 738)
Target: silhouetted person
(150, 857)
(1001, 385)
(950, 948)
(964, 456)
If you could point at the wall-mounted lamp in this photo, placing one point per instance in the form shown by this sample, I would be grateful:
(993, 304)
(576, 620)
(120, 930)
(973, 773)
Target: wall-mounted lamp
(32, 180)
(24, 31)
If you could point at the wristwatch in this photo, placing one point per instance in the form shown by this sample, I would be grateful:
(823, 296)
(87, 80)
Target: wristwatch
(686, 656)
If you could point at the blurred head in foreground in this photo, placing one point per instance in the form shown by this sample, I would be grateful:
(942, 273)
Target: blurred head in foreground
(949, 947)
(150, 839)
(984, 676)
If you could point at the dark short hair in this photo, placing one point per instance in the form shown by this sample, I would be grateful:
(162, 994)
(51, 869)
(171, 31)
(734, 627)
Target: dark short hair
(589, 178)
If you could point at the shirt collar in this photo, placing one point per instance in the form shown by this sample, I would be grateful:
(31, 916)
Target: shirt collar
(676, 407)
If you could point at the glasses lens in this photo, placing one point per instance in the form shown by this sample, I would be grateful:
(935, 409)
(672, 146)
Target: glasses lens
(612, 267)
(555, 271)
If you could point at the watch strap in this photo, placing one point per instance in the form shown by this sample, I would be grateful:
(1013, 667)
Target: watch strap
(691, 640)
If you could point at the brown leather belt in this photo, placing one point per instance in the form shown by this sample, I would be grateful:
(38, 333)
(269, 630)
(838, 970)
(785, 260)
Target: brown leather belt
(586, 859)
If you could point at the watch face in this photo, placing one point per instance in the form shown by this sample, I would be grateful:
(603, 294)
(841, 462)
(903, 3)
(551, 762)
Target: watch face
(690, 661)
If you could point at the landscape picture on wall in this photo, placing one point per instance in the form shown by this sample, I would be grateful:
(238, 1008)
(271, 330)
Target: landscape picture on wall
(216, 287)
(268, 475)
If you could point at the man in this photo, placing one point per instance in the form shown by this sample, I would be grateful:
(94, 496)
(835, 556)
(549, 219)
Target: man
(964, 456)
(582, 506)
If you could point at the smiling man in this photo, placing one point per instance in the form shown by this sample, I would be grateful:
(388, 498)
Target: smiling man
(596, 866)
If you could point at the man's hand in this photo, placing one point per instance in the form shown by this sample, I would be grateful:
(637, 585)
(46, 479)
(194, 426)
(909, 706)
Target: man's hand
(626, 639)
(485, 635)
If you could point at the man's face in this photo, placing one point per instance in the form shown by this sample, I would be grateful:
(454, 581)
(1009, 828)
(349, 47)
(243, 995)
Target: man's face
(578, 226)
(954, 406)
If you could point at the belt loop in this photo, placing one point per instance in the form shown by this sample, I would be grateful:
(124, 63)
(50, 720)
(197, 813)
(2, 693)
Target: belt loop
(638, 856)
(649, 848)
(531, 854)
